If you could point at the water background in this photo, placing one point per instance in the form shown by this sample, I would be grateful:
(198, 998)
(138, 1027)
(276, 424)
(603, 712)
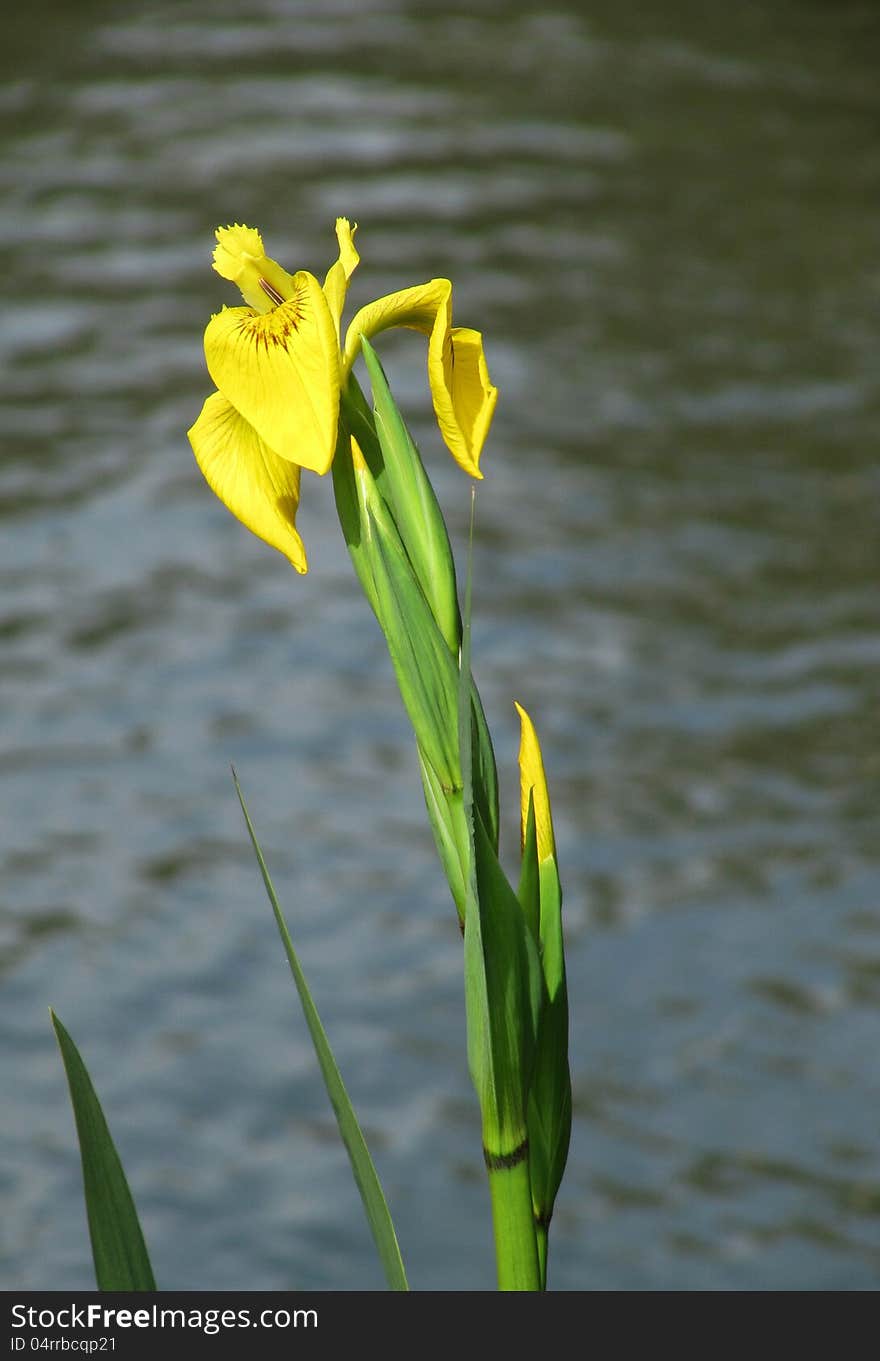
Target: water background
(664, 218)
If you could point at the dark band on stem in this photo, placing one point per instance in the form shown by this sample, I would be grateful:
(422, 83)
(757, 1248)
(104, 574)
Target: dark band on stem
(502, 1162)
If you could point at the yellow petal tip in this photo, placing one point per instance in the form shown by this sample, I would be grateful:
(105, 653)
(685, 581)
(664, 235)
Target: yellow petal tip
(359, 463)
(533, 783)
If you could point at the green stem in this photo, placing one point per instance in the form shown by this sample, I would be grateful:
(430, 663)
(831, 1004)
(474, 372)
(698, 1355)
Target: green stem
(516, 1251)
(541, 1237)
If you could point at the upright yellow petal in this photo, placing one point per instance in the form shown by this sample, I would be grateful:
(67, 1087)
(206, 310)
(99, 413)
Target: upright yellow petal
(261, 489)
(280, 371)
(464, 398)
(336, 282)
(533, 781)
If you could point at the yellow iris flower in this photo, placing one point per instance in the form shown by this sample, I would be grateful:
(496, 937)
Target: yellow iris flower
(280, 365)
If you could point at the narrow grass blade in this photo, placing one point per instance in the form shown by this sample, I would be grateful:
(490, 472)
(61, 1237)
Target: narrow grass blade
(375, 1206)
(118, 1248)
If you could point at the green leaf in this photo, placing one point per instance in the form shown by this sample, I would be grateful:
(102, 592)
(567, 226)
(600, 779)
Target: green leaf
(549, 1109)
(512, 988)
(540, 894)
(365, 1175)
(354, 419)
(394, 497)
(118, 1248)
(410, 496)
(529, 892)
(446, 814)
(413, 503)
(485, 771)
(502, 993)
(503, 981)
(427, 673)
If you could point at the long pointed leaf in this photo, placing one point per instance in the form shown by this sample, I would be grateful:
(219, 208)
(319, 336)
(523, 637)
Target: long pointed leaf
(365, 1175)
(118, 1248)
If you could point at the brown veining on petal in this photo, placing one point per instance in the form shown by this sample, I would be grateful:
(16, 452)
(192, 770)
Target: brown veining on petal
(269, 329)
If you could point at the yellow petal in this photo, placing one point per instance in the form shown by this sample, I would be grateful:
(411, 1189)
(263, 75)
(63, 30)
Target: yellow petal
(414, 307)
(239, 257)
(464, 398)
(280, 371)
(533, 781)
(261, 489)
(336, 282)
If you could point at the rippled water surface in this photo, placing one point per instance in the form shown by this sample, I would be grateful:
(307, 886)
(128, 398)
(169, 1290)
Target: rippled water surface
(664, 219)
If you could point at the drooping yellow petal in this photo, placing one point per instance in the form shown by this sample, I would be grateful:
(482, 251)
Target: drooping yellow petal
(280, 371)
(336, 282)
(261, 489)
(533, 781)
(464, 398)
(413, 307)
(239, 257)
